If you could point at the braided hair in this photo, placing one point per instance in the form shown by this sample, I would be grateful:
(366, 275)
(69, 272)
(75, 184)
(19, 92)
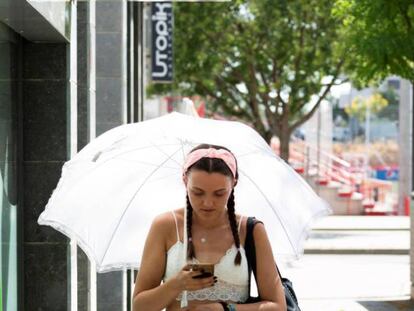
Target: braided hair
(213, 165)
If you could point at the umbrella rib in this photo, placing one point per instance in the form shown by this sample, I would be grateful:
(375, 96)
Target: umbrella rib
(268, 202)
(98, 165)
(152, 145)
(133, 197)
(143, 162)
(163, 152)
(134, 149)
(267, 153)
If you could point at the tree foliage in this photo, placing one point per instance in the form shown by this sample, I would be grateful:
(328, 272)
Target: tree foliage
(391, 111)
(268, 62)
(378, 36)
(359, 106)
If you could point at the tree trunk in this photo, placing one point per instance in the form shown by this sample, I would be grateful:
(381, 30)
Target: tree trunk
(267, 135)
(284, 136)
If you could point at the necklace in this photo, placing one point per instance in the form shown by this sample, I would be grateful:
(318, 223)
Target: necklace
(203, 239)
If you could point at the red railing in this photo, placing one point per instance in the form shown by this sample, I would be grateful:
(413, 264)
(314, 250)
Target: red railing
(353, 178)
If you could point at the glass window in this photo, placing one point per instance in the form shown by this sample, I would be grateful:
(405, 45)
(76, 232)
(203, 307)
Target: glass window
(8, 171)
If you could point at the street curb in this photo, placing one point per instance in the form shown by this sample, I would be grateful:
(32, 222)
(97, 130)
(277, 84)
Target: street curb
(384, 304)
(362, 223)
(356, 251)
(360, 229)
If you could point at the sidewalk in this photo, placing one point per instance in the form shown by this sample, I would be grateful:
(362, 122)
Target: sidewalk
(362, 223)
(354, 263)
(360, 235)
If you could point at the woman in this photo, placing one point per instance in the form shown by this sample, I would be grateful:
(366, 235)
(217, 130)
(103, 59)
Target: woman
(216, 234)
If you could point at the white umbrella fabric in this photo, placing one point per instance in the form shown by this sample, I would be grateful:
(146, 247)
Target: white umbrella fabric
(110, 192)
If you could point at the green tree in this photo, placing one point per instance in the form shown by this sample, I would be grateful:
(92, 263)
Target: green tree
(270, 63)
(378, 36)
(359, 106)
(391, 111)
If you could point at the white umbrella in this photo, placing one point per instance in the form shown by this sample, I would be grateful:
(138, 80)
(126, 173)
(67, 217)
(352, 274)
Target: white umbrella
(112, 189)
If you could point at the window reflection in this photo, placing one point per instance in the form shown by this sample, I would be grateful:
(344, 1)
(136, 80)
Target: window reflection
(8, 176)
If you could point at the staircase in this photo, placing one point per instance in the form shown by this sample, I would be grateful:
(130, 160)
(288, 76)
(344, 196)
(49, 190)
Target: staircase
(348, 189)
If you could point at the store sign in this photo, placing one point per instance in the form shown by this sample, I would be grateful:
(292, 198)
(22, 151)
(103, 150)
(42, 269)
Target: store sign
(162, 52)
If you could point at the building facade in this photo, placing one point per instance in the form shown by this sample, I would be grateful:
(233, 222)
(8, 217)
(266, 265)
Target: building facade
(69, 71)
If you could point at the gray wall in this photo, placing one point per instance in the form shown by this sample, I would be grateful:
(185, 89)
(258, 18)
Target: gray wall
(44, 117)
(82, 126)
(110, 109)
(110, 75)
(43, 125)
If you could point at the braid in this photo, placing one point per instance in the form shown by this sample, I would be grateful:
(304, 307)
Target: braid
(190, 247)
(233, 225)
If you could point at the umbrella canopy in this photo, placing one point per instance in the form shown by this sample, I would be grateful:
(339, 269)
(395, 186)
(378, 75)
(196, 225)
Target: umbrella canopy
(110, 192)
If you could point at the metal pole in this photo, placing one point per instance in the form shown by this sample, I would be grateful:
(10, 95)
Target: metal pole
(91, 98)
(124, 49)
(73, 84)
(367, 137)
(124, 290)
(412, 141)
(73, 275)
(139, 53)
(318, 149)
(307, 166)
(132, 285)
(91, 63)
(367, 126)
(92, 287)
(72, 150)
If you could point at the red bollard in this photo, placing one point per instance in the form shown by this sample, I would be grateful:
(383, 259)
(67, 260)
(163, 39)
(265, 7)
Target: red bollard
(407, 205)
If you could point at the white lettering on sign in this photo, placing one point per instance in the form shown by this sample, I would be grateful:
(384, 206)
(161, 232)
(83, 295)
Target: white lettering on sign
(161, 36)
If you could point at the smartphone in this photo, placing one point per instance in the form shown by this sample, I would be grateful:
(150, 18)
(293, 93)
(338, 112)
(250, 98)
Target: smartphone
(206, 269)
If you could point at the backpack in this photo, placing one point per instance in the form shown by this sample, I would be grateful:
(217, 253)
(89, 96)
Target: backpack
(291, 300)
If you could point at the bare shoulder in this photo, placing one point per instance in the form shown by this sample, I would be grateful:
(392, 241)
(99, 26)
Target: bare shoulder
(164, 225)
(261, 238)
(160, 222)
(179, 213)
(259, 230)
(162, 219)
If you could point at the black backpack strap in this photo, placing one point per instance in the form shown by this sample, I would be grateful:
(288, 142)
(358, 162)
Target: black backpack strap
(249, 246)
(250, 249)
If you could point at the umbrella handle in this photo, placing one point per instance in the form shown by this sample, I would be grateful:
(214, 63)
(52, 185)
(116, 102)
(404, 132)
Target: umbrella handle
(184, 301)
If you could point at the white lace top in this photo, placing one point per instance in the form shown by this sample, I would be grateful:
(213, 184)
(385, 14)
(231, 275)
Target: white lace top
(232, 280)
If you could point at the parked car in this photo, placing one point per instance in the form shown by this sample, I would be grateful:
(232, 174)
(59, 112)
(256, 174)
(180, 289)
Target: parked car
(342, 134)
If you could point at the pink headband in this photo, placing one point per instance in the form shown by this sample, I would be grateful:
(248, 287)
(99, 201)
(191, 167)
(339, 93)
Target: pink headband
(223, 154)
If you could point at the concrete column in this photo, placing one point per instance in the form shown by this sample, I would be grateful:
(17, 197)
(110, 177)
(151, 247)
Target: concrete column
(44, 119)
(83, 135)
(405, 116)
(110, 68)
(111, 109)
(406, 96)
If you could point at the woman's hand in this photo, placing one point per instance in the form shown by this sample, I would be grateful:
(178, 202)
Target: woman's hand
(184, 280)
